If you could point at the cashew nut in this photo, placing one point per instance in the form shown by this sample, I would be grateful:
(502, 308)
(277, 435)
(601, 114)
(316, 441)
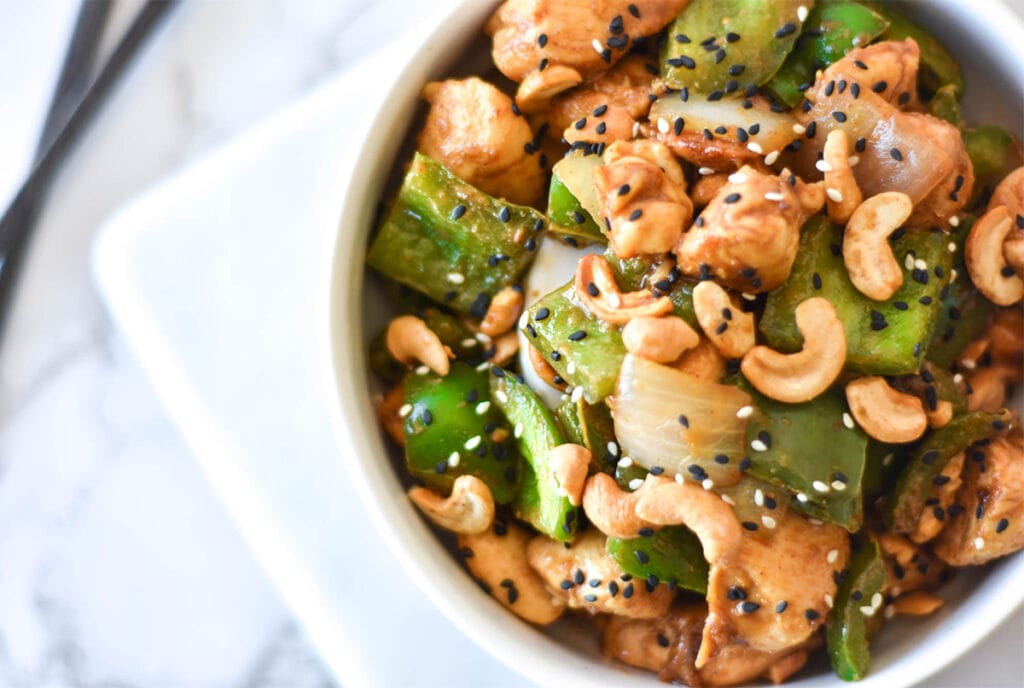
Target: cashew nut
(988, 389)
(793, 378)
(917, 603)
(703, 361)
(501, 564)
(612, 510)
(1013, 252)
(599, 293)
(843, 194)
(409, 340)
(983, 254)
(703, 512)
(539, 87)
(884, 413)
(504, 348)
(468, 510)
(866, 252)
(503, 312)
(569, 464)
(661, 339)
(388, 413)
(942, 414)
(724, 323)
(544, 370)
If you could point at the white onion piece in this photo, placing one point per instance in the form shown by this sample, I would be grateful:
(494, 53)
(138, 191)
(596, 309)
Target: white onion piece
(649, 400)
(774, 132)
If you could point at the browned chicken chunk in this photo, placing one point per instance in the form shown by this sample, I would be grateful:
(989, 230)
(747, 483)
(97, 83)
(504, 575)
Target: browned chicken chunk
(991, 524)
(909, 567)
(747, 236)
(472, 130)
(584, 36)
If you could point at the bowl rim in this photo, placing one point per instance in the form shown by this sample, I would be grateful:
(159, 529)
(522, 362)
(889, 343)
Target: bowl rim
(520, 646)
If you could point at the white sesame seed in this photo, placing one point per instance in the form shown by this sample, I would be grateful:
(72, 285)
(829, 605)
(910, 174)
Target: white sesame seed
(819, 486)
(771, 158)
(705, 171)
(422, 370)
(954, 221)
(483, 407)
(951, 246)
(801, 497)
(483, 367)
(854, 160)
(801, 13)
(613, 449)
(636, 483)
(523, 320)
(829, 601)
(577, 394)
(823, 166)
(468, 342)
(953, 274)
(571, 368)
(473, 442)
(832, 555)
(920, 264)
(848, 421)
(838, 485)
(758, 445)
(663, 125)
(749, 297)
(598, 48)
(517, 431)
(405, 410)
(453, 459)
(814, 522)
(484, 339)
(888, 459)
(707, 484)
(876, 600)
(867, 611)
(890, 611)
(738, 178)
(835, 194)
(501, 396)
(636, 129)
(759, 497)
(456, 277)
(799, 129)
(896, 591)
(969, 363)
(680, 478)
(979, 543)
(755, 147)
(745, 411)
(625, 462)
(958, 378)
(773, 196)
(728, 500)
(908, 262)
(768, 522)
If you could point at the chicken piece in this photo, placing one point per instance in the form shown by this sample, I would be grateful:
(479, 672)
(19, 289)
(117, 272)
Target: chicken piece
(890, 70)
(668, 645)
(588, 579)
(938, 504)
(472, 130)
(642, 199)
(616, 100)
(919, 155)
(748, 235)
(992, 522)
(587, 36)
(776, 591)
(908, 566)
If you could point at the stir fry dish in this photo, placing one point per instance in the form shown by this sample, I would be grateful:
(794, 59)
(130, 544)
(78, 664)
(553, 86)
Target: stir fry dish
(765, 411)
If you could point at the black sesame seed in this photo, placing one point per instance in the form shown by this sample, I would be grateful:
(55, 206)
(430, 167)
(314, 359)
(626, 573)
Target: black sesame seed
(678, 126)
(830, 87)
(601, 128)
(682, 61)
(627, 592)
(427, 417)
(895, 154)
(855, 90)
(741, 134)
(744, 464)
(543, 65)
(732, 198)
(781, 606)
(578, 577)
(633, 10)
(542, 313)
(542, 40)
(577, 336)
(662, 640)
(657, 470)
(750, 525)
(929, 457)
(458, 211)
(682, 38)
(1002, 525)
(839, 116)
(816, 280)
(719, 56)
(749, 607)
(732, 37)
(721, 459)
(811, 615)
(925, 300)
(593, 290)
(722, 327)
(860, 64)
(715, 95)
(624, 189)
(954, 510)
(812, 129)
(787, 29)
(504, 214)
(860, 145)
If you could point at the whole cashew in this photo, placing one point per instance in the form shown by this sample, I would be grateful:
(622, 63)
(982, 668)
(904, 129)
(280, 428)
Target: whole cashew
(569, 464)
(884, 413)
(612, 510)
(1013, 252)
(724, 323)
(505, 347)
(843, 196)
(539, 87)
(983, 254)
(503, 312)
(468, 510)
(409, 340)
(866, 252)
(500, 563)
(703, 512)
(942, 414)
(662, 339)
(593, 274)
(793, 378)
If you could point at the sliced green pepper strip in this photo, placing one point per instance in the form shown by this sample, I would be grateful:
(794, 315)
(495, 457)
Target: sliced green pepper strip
(723, 45)
(849, 626)
(882, 337)
(807, 450)
(930, 457)
(832, 29)
(538, 502)
(453, 242)
(572, 197)
(672, 555)
(964, 312)
(591, 426)
(450, 431)
(938, 66)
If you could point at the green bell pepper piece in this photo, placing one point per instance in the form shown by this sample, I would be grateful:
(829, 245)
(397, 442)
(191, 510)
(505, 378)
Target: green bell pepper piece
(453, 242)
(591, 426)
(832, 29)
(634, 274)
(993, 151)
(945, 105)
(723, 45)
(930, 457)
(882, 466)
(849, 627)
(572, 198)
(450, 431)
(807, 450)
(882, 337)
(538, 502)
(672, 555)
(938, 66)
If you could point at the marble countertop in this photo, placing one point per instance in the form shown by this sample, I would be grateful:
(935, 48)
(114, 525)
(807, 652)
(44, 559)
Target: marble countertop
(118, 564)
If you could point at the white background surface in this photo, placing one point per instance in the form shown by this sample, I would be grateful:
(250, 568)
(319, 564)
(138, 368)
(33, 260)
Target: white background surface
(118, 565)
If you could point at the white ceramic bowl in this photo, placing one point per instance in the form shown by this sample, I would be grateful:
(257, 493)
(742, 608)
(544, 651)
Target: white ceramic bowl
(987, 38)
